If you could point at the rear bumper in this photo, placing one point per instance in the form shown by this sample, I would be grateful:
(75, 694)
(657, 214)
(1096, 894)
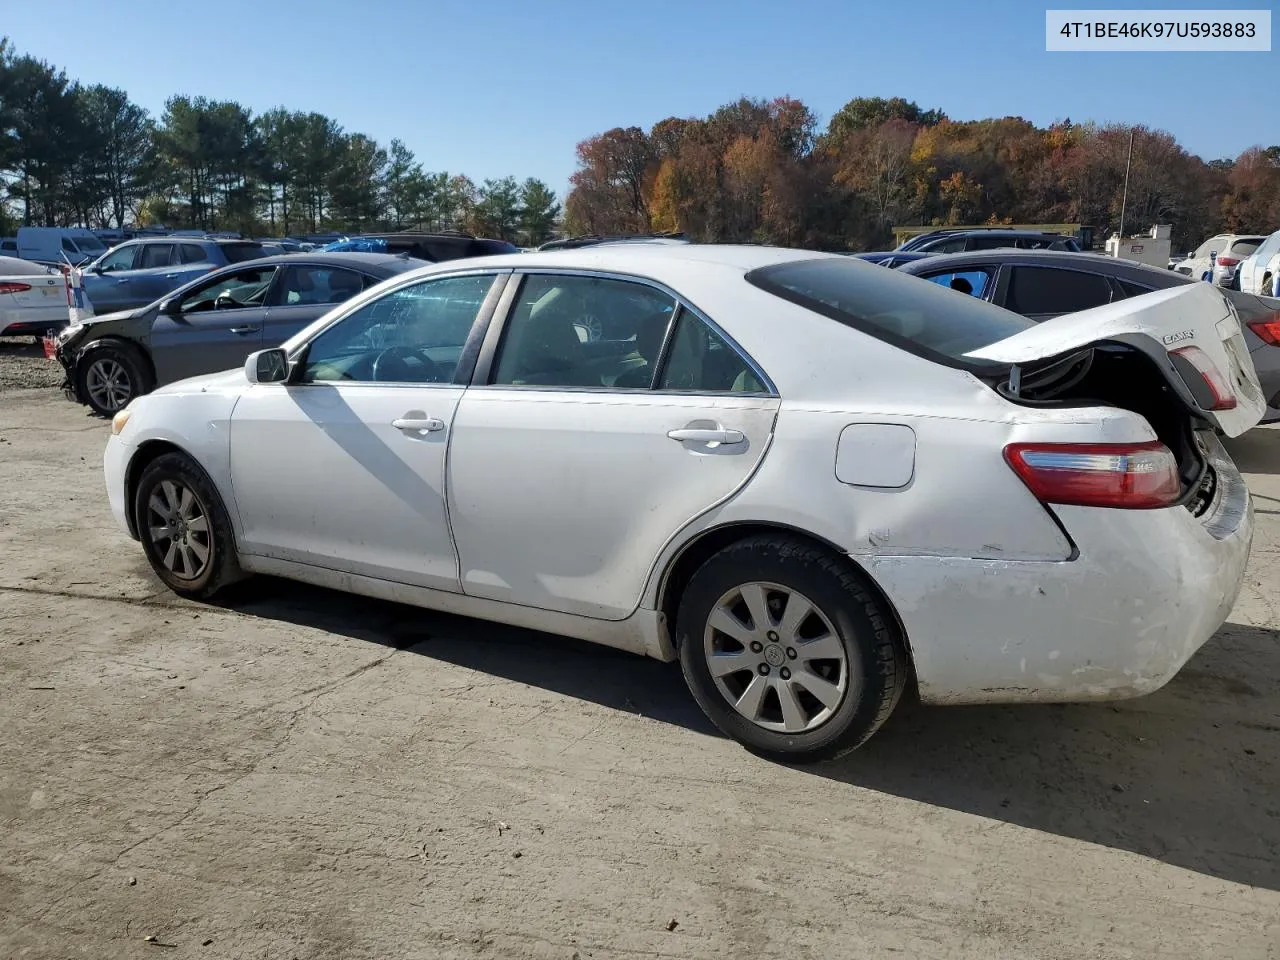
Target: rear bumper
(1146, 590)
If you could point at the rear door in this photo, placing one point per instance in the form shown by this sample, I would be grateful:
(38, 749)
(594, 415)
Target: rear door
(574, 460)
(213, 326)
(1193, 333)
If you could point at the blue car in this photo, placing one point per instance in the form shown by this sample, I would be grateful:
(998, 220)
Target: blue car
(139, 272)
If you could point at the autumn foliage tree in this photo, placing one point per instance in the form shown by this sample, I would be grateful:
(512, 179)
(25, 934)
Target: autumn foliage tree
(762, 171)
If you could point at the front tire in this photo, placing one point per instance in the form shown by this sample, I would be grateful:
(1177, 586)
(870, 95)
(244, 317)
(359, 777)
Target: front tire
(788, 651)
(109, 375)
(184, 528)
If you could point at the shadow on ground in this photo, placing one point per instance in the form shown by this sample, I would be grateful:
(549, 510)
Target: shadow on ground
(1257, 451)
(1187, 776)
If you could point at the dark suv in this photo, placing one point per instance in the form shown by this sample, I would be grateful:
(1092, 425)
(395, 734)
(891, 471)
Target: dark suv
(960, 241)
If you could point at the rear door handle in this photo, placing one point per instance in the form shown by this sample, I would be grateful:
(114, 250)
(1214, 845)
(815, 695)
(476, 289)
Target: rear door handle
(429, 424)
(245, 329)
(700, 435)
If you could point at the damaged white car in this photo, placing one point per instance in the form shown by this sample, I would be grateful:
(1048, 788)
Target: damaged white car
(807, 478)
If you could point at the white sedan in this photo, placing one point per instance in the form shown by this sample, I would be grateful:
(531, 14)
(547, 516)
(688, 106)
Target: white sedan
(807, 478)
(33, 298)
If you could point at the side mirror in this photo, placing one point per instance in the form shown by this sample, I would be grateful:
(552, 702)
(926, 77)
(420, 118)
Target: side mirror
(267, 366)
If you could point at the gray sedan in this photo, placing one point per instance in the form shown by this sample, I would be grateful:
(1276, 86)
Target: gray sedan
(211, 324)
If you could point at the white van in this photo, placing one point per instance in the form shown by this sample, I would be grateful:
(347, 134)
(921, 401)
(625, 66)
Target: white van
(49, 244)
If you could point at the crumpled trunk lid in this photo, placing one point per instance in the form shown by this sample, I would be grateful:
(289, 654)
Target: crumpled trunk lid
(1162, 325)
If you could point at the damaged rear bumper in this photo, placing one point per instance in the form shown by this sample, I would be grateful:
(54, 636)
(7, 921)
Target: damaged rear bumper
(1147, 589)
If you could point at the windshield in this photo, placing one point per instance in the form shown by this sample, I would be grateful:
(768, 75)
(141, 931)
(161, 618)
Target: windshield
(919, 316)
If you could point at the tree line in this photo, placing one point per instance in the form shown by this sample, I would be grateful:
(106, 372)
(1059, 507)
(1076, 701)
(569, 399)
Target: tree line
(87, 155)
(765, 172)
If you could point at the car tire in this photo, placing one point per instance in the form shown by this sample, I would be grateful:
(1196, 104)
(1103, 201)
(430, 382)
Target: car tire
(110, 373)
(807, 687)
(184, 528)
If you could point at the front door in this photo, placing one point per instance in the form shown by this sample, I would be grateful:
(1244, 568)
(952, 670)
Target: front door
(213, 326)
(344, 467)
(304, 293)
(581, 455)
(109, 284)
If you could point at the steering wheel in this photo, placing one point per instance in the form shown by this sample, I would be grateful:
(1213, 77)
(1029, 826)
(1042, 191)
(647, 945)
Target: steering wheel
(390, 366)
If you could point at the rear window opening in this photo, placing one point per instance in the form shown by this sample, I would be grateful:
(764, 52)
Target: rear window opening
(240, 252)
(1243, 248)
(1116, 375)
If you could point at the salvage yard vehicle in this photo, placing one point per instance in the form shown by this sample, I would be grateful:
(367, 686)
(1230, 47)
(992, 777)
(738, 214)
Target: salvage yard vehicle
(1218, 258)
(932, 488)
(33, 298)
(142, 271)
(1260, 270)
(210, 324)
(1041, 284)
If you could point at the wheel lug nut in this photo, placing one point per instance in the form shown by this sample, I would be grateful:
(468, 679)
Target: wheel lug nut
(786, 674)
(791, 652)
(773, 637)
(756, 646)
(764, 669)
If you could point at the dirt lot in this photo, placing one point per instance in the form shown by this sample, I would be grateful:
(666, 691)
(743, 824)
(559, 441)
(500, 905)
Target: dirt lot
(299, 774)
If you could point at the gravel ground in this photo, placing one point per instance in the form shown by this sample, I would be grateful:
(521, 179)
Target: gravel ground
(298, 773)
(23, 365)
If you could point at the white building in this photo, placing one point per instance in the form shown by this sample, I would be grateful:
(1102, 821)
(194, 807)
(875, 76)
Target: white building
(1151, 249)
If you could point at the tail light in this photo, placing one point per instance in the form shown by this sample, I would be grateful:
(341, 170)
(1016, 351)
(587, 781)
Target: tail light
(14, 287)
(1228, 261)
(1223, 396)
(1268, 330)
(1131, 476)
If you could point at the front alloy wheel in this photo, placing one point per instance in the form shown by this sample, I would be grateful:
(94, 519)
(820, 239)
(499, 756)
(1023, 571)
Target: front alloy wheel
(178, 526)
(108, 384)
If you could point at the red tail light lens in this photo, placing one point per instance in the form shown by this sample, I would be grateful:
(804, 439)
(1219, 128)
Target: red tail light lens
(1268, 330)
(1127, 476)
(1228, 261)
(13, 287)
(1223, 396)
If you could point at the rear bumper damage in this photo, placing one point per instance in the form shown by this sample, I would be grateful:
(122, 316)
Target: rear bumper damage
(1147, 589)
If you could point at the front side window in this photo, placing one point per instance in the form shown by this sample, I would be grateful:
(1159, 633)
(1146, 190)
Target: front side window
(973, 282)
(121, 258)
(579, 331)
(954, 245)
(317, 285)
(231, 291)
(415, 334)
(1129, 289)
(993, 242)
(156, 255)
(1036, 290)
(700, 360)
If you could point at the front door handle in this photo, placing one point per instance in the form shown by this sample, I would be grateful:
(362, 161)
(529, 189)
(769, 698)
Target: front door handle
(429, 424)
(245, 329)
(703, 435)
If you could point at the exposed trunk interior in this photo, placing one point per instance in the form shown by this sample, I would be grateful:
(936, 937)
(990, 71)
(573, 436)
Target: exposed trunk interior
(1116, 375)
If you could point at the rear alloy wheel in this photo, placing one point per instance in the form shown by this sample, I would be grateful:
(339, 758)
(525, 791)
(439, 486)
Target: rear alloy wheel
(183, 528)
(787, 650)
(109, 377)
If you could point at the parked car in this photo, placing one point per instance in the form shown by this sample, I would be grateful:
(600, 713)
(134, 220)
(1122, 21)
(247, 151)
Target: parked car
(1259, 271)
(33, 298)
(959, 240)
(595, 239)
(892, 258)
(211, 324)
(1042, 284)
(1228, 249)
(141, 271)
(431, 247)
(803, 528)
(57, 245)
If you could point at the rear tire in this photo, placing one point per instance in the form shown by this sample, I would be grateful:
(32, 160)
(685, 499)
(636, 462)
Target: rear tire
(787, 684)
(184, 528)
(109, 374)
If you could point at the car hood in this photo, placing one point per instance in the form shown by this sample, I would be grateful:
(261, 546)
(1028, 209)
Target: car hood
(207, 383)
(1162, 324)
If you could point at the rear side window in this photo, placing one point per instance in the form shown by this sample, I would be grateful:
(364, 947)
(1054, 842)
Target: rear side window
(701, 361)
(193, 253)
(1037, 290)
(240, 252)
(156, 255)
(989, 242)
(1242, 248)
(954, 245)
(911, 313)
(1129, 289)
(973, 282)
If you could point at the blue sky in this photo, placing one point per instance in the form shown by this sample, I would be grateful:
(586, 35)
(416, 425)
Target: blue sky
(506, 87)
